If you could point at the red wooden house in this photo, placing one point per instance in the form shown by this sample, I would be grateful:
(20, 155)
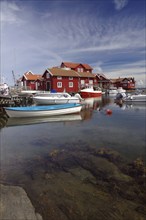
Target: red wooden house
(29, 80)
(72, 77)
(102, 80)
(78, 67)
(125, 83)
(62, 79)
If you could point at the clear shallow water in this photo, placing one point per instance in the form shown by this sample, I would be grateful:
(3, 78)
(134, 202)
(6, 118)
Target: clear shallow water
(124, 130)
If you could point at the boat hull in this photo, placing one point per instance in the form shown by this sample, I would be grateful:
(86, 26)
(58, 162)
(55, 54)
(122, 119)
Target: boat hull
(93, 94)
(35, 111)
(50, 101)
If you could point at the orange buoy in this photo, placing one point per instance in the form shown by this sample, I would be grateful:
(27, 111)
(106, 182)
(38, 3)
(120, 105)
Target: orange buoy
(109, 112)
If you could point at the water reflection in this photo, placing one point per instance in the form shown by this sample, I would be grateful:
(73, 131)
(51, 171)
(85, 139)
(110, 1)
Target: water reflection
(92, 103)
(38, 120)
(89, 105)
(132, 105)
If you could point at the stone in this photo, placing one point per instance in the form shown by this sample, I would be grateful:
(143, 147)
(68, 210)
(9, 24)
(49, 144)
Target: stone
(15, 204)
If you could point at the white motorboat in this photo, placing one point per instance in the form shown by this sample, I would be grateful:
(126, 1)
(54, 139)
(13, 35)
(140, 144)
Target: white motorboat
(90, 92)
(27, 92)
(47, 110)
(56, 98)
(135, 98)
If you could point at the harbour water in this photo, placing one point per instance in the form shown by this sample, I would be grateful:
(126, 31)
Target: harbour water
(123, 130)
(25, 145)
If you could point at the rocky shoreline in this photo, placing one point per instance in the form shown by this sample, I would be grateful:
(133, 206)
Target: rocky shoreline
(84, 183)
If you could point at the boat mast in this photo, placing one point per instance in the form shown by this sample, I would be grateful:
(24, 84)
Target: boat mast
(14, 78)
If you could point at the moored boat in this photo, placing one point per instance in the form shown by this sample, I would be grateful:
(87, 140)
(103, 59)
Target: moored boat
(90, 93)
(135, 98)
(55, 98)
(47, 110)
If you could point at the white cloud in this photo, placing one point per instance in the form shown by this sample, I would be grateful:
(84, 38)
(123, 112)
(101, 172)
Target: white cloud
(120, 4)
(131, 69)
(10, 12)
(140, 83)
(97, 67)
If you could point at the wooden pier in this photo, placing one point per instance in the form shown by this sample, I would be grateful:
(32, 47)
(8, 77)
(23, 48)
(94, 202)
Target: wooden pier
(15, 100)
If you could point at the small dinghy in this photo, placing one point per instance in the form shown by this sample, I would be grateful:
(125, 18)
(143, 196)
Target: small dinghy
(47, 110)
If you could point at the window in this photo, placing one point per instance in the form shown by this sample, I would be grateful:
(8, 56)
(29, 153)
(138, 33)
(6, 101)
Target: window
(80, 69)
(71, 84)
(90, 82)
(59, 77)
(70, 78)
(82, 81)
(48, 75)
(59, 84)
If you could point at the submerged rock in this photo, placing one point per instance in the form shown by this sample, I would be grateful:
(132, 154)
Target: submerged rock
(83, 183)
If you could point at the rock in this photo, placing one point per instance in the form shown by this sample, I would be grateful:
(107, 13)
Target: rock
(81, 183)
(16, 205)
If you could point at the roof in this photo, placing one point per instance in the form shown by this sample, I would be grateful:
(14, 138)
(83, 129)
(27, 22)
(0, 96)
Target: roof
(86, 74)
(62, 72)
(121, 79)
(101, 75)
(30, 76)
(74, 65)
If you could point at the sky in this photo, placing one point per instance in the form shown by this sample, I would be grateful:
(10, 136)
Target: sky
(109, 35)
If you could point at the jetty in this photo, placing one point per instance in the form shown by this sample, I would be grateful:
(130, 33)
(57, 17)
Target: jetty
(15, 98)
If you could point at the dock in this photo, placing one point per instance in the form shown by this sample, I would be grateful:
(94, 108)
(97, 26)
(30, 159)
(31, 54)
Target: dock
(15, 100)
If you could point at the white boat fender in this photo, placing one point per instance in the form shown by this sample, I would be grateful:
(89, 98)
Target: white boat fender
(78, 96)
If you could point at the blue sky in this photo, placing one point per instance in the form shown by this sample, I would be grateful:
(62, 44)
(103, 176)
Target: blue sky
(109, 35)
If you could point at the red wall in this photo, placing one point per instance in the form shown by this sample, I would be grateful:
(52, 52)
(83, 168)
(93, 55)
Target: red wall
(29, 84)
(65, 84)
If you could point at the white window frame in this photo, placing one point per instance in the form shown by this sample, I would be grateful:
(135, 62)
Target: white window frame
(59, 77)
(80, 69)
(48, 75)
(71, 85)
(91, 82)
(59, 84)
(82, 81)
(70, 78)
